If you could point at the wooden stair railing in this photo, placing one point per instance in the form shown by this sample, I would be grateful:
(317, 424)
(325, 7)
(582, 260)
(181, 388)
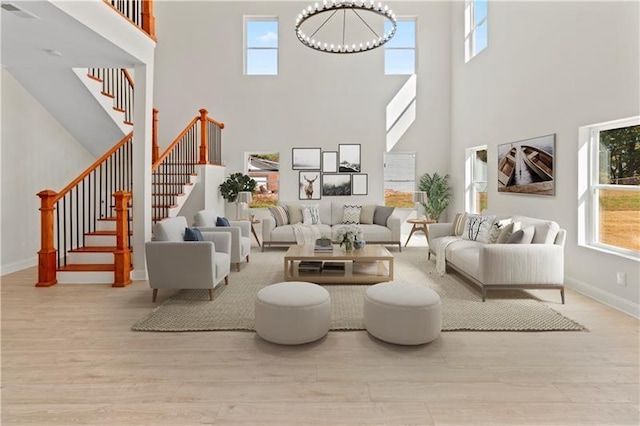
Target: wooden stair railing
(198, 143)
(118, 85)
(68, 216)
(138, 12)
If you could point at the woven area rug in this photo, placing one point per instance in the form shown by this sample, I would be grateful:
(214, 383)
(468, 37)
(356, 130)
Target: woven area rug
(462, 306)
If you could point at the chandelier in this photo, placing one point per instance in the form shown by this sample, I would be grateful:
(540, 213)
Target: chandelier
(343, 8)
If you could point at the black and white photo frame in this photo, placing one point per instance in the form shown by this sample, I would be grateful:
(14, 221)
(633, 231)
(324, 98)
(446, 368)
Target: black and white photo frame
(349, 158)
(309, 185)
(336, 184)
(306, 158)
(330, 162)
(359, 184)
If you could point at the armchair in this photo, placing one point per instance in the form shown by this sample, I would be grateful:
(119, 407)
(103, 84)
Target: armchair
(240, 231)
(173, 263)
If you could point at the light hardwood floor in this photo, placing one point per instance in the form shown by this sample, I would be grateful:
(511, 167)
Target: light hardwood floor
(69, 357)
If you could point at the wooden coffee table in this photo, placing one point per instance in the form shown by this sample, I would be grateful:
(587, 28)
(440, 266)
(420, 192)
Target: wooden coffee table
(369, 265)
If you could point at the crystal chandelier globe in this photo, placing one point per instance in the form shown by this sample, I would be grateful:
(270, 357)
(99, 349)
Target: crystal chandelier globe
(340, 8)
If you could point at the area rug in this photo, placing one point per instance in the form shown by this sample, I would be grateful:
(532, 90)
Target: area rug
(462, 306)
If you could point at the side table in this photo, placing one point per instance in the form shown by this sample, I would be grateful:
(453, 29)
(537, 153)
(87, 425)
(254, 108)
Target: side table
(419, 225)
(253, 230)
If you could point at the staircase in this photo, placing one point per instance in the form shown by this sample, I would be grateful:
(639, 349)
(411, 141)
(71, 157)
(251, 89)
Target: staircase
(91, 233)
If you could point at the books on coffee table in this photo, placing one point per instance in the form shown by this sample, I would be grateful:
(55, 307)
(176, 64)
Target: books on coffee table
(310, 266)
(323, 245)
(333, 267)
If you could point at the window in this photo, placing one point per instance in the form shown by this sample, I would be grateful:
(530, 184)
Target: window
(400, 51)
(475, 28)
(613, 191)
(264, 168)
(476, 179)
(399, 179)
(261, 42)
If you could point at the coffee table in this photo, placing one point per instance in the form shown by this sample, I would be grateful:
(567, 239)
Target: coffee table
(369, 265)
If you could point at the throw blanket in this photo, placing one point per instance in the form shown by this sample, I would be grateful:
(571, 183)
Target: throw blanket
(306, 234)
(440, 249)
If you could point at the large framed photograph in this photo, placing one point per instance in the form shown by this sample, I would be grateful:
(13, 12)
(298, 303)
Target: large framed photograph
(359, 184)
(309, 186)
(330, 162)
(527, 166)
(338, 184)
(305, 158)
(349, 158)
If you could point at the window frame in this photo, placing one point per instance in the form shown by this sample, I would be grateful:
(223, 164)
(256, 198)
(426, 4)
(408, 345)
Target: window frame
(414, 48)
(470, 28)
(470, 188)
(591, 231)
(255, 18)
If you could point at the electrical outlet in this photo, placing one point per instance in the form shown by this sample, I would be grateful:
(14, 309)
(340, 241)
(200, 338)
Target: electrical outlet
(621, 278)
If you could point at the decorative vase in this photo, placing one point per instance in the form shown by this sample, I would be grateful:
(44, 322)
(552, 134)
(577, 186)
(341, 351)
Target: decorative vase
(346, 245)
(358, 244)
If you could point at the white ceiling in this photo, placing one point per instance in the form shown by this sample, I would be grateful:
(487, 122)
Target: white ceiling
(27, 42)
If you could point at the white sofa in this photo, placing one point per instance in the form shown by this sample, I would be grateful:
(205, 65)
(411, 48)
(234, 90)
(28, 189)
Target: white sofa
(331, 214)
(539, 265)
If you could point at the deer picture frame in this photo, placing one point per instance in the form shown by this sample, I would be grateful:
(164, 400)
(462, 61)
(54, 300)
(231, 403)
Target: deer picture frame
(309, 185)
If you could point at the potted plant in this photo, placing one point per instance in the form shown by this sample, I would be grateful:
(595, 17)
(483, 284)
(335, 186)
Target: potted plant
(235, 183)
(438, 194)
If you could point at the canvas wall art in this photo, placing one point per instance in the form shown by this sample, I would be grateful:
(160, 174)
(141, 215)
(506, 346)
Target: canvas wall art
(349, 157)
(330, 162)
(305, 158)
(338, 184)
(527, 166)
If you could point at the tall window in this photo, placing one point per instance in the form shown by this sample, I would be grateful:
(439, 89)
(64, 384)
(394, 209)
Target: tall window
(475, 28)
(265, 169)
(613, 217)
(400, 51)
(399, 179)
(476, 179)
(261, 46)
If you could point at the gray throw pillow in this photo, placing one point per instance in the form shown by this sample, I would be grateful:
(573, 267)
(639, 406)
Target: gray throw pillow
(382, 214)
(523, 236)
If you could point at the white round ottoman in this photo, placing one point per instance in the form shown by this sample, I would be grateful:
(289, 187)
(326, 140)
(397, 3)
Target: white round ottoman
(402, 313)
(292, 313)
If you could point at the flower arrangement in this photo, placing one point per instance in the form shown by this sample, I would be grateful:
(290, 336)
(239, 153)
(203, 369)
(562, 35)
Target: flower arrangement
(348, 236)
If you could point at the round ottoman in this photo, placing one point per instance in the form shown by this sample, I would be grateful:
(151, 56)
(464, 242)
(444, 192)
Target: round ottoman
(293, 313)
(402, 313)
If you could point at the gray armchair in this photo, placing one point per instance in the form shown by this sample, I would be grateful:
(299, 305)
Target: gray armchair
(173, 263)
(240, 231)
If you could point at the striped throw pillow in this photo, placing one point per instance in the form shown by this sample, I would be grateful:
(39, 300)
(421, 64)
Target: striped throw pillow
(458, 224)
(280, 214)
(351, 214)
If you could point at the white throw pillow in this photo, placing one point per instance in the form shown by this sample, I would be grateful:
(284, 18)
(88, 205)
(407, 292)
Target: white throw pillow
(351, 214)
(311, 214)
(477, 227)
(497, 228)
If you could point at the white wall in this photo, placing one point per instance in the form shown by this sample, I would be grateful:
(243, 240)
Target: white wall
(317, 100)
(37, 154)
(550, 67)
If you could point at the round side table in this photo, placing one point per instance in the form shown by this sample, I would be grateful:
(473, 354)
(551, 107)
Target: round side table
(419, 225)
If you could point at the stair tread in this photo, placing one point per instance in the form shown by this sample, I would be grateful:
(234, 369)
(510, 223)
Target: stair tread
(94, 249)
(104, 232)
(164, 206)
(87, 267)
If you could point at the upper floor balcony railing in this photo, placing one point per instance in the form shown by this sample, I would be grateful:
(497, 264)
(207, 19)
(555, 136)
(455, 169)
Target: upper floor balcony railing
(139, 12)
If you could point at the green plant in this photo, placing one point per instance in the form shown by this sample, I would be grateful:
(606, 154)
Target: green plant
(236, 182)
(438, 194)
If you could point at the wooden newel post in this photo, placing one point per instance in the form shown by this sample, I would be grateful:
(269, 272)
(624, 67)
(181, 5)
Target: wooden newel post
(122, 254)
(204, 149)
(47, 256)
(155, 149)
(148, 20)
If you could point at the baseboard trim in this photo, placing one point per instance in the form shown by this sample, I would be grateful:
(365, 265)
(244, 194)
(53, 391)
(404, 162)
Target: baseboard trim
(616, 302)
(139, 275)
(19, 265)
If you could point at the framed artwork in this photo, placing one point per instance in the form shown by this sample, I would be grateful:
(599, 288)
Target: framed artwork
(305, 158)
(349, 158)
(527, 166)
(309, 186)
(330, 162)
(336, 184)
(359, 184)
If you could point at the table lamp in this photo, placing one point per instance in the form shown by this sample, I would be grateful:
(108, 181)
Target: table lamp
(419, 197)
(244, 197)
